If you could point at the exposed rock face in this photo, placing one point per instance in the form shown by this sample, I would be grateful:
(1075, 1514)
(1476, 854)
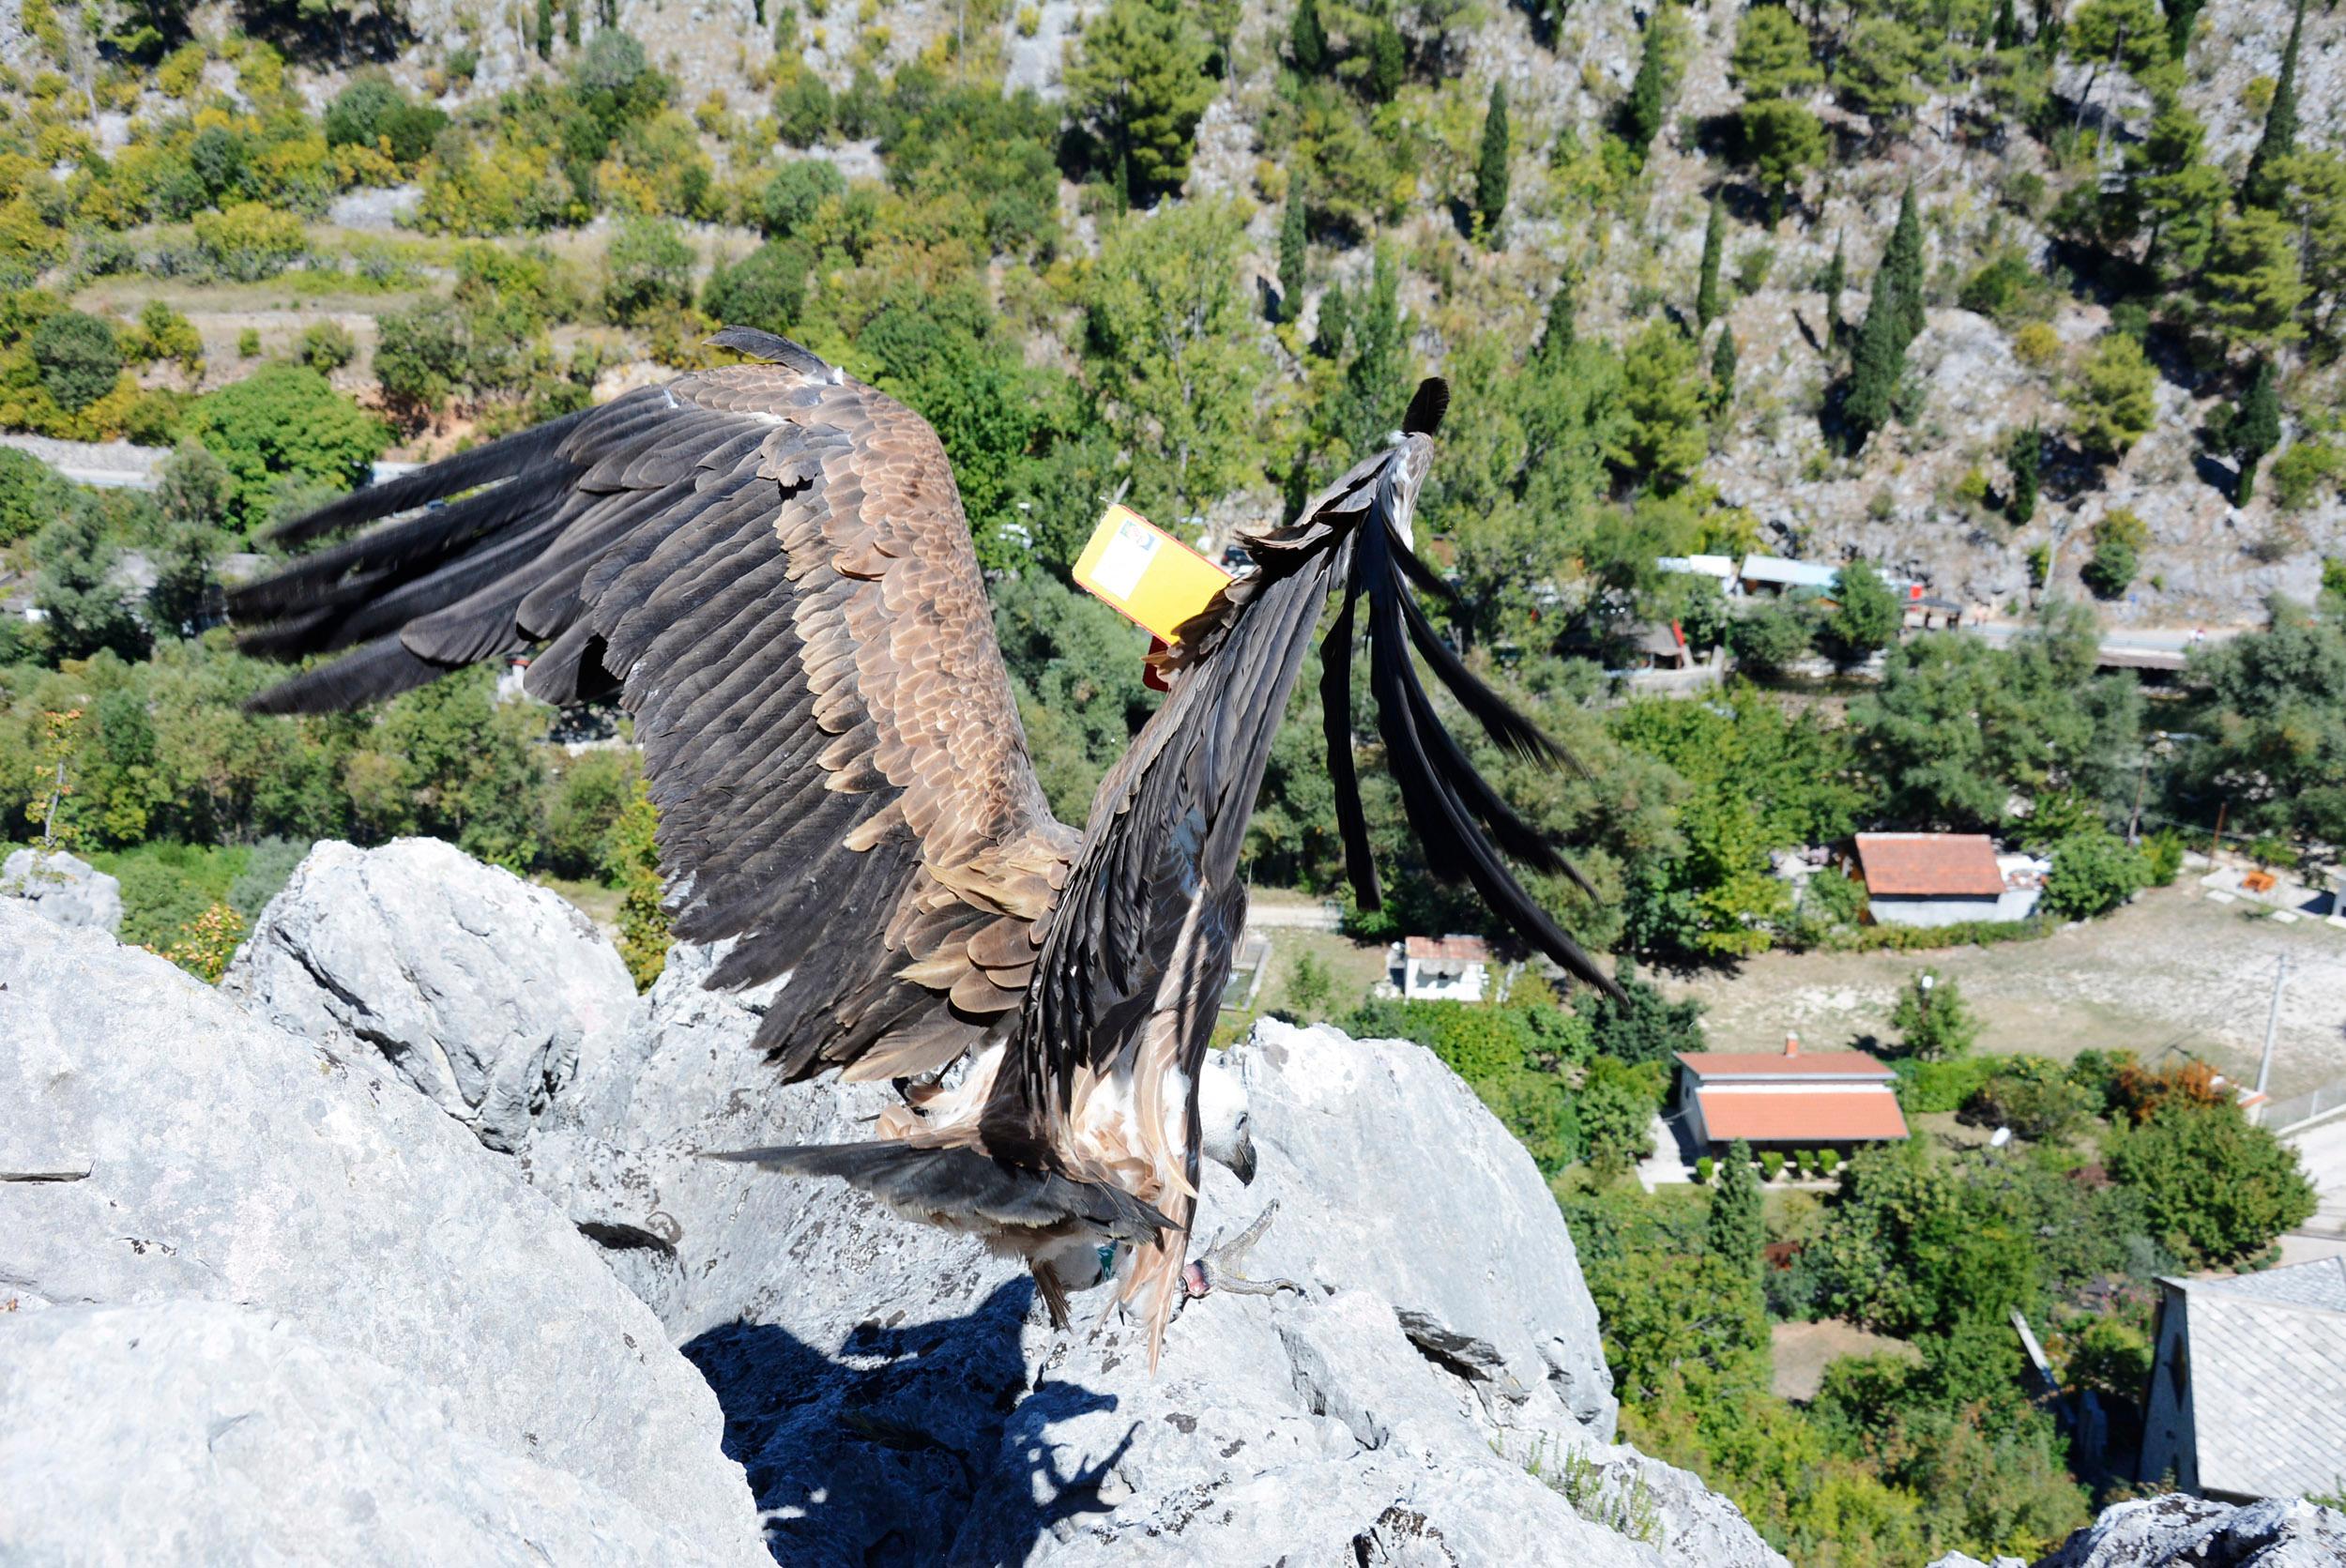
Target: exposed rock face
(63, 890)
(2172, 1530)
(163, 1150)
(1437, 1395)
(200, 1432)
(484, 992)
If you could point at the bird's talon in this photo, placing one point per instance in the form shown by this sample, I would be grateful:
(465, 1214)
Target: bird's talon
(1216, 1269)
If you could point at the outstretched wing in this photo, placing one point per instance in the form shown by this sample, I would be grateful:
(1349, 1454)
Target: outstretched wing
(771, 567)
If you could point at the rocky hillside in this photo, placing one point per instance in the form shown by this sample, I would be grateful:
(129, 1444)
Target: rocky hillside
(354, 1328)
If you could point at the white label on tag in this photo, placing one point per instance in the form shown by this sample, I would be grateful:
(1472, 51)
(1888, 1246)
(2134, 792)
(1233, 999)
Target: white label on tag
(1125, 560)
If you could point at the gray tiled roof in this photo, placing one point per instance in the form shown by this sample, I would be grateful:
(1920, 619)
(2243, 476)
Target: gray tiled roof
(2268, 1379)
(2320, 1284)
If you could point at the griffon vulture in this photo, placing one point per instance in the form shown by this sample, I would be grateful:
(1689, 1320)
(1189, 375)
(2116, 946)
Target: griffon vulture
(769, 565)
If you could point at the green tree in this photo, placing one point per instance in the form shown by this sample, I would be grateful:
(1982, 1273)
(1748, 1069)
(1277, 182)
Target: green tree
(1641, 112)
(1781, 143)
(1388, 61)
(32, 495)
(1307, 45)
(1175, 353)
(283, 423)
(1311, 989)
(2114, 399)
(1736, 1227)
(1707, 281)
(1723, 369)
(1934, 1023)
(1139, 82)
(1866, 616)
(1834, 283)
(1490, 170)
(1772, 58)
(2217, 1190)
(1902, 259)
(79, 359)
(2251, 287)
(1880, 72)
(634, 866)
(2262, 186)
(1877, 365)
(765, 289)
(2119, 539)
(795, 191)
(2025, 457)
(1957, 728)
(582, 813)
(1770, 640)
(2273, 706)
(545, 29)
(1643, 1026)
(1616, 1105)
(1294, 258)
(647, 268)
(2256, 428)
(84, 608)
(1662, 441)
(2094, 872)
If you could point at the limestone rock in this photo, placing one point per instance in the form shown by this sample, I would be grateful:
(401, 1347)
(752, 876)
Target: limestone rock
(896, 1394)
(202, 1432)
(63, 890)
(2174, 1529)
(162, 1146)
(484, 992)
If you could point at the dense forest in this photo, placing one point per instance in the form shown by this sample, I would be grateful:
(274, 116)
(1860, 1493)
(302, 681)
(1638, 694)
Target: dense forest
(2038, 299)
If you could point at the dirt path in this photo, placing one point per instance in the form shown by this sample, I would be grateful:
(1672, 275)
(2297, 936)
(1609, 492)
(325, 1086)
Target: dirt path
(2170, 972)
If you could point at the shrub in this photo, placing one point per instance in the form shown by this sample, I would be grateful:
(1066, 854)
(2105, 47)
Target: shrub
(1771, 1163)
(765, 289)
(2093, 873)
(249, 343)
(796, 190)
(590, 795)
(2217, 1190)
(372, 112)
(2036, 345)
(2162, 857)
(32, 495)
(1704, 1165)
(285, 422)
(2306, 472)
(1929, 1088)
(1828, 1161)
(249, 241)
(647, 269)
(327, 345)
(79, 359)
(2033, 1097)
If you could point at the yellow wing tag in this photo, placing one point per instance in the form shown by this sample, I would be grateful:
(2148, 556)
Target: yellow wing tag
(1145, 573)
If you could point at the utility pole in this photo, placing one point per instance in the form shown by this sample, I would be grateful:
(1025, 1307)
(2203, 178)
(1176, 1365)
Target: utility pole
(2272, 1024)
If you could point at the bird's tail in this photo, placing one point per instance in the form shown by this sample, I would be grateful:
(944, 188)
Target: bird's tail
(968, 1190)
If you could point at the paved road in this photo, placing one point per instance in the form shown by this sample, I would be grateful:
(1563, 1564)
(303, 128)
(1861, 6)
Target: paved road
(120, 465)
(2322, 1150)
(2136, 646)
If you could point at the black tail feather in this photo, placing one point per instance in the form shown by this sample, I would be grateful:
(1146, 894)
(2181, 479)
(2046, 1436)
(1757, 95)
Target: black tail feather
(451, 476)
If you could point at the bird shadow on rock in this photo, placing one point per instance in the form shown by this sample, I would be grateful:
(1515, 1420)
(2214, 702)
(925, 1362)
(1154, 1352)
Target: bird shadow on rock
(893, 1449)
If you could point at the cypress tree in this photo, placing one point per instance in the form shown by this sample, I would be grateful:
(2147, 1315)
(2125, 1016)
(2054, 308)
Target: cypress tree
(1878, 363)
(2026, 456)
(1388, 62)
(1307, 45)
(572, 21)
(1490, 175)
(1723, 368)
(1903, 262)
(2256, 428)
(1835, 282)
(1713, 242)
(545, 29)
(1291, 258)
(2183, 20)
(1556, 337)
(1641, 116)
(2262, 186)
(1737, 1227)
(2007, 35)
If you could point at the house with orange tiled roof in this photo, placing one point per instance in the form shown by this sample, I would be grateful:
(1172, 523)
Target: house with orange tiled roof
(1786, 1100)
(1939, 879)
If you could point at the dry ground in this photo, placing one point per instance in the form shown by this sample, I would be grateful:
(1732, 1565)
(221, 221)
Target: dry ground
(1803, 1350)
(2171, 972)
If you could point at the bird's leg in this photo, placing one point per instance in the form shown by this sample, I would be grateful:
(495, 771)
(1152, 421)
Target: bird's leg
(1216, 1268)
(1053, 1294)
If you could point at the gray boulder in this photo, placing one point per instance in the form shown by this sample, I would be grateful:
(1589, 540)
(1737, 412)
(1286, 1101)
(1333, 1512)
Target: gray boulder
(482, 991)
(2177, 1528)
(897, 1395)
(247, 1440)
(163, 1148)
(63, 890)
